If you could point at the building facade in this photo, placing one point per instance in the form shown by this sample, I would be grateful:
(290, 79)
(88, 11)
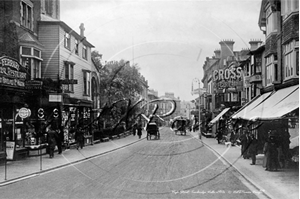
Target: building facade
(52, 79)
(273, 76)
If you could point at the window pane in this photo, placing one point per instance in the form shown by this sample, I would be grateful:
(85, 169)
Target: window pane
(67, 71)
(71, 72)
(29, 17)
(26, 51)
(36, 53)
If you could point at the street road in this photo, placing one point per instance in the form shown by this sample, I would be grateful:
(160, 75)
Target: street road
(173, 167)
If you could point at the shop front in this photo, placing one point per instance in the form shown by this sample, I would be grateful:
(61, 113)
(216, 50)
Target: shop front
(218, 123)
(13, 108)
(76, 114)
(275, 114)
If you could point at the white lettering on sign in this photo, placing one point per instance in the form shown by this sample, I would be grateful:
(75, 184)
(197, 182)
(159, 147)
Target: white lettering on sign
(10, 62)
(227, 74)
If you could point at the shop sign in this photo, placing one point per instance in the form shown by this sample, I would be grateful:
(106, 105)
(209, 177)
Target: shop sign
(24, 113)
(11, 72)
(34, 84)
(228, 78)
(10, 150)
(55, 98)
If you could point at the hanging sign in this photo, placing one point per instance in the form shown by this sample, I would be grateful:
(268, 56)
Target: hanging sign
(10, 150)
(24, 112)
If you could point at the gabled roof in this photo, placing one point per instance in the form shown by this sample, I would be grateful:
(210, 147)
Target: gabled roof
(48, 20)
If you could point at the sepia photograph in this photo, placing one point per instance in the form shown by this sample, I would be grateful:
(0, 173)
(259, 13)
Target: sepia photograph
(149, 99)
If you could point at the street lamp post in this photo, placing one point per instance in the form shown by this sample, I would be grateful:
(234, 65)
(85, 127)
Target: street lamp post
(197, 80)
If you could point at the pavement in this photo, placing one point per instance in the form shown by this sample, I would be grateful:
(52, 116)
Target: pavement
(275, 185)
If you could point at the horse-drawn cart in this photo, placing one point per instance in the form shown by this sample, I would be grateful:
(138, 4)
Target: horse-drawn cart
(180, 124)
(152, 129)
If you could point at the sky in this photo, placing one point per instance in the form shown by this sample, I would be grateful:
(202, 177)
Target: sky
(169, 40)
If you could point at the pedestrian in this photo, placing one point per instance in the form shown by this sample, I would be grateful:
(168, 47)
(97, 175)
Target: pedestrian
(219, 136)
(79, 137)
(134, 129)
(285, 145)
(244, 142)
(253, 148)
(272, 150)
(51, 142)
(139, 130)
(58, 139)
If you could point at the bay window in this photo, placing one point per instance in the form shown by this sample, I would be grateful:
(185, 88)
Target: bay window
(31, 59)
(272, 69)
(289, 6)
(271, 21)
(291, 60)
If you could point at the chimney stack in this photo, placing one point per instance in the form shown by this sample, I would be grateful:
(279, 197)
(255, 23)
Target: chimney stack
(226, 51)
(217, 53)
(254, 43)
(226, 48)
(81, 27)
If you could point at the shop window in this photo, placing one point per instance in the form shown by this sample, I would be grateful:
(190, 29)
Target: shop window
(32, 61)
(67, 41)
(84, 52)
(291, 60)
(69, 75)
(86, 83)
(26, 14)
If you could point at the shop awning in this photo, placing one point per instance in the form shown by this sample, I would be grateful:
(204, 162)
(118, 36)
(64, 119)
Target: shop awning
(243, 112)
(219, 116)
(276, 105)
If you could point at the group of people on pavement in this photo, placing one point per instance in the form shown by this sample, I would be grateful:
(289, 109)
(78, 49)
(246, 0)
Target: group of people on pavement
(54, 138)
(275, 149)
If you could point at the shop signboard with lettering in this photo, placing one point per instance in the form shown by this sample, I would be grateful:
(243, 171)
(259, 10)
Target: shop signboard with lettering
(228, 78)
(12, 73)
(55, 98)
